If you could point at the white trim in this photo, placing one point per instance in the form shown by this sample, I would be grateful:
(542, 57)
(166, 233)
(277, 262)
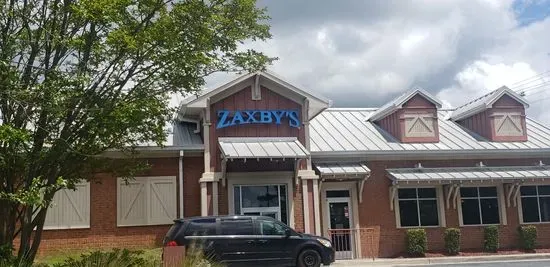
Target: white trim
(442, 222)
(180, 186)
(215, 201)
(204, 199)
(251, 178)
(502, 208)
(306, 207)
(316, 207)
(499, 201)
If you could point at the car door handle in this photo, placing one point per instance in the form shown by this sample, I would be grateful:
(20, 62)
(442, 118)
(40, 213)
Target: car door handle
(250, 242)
(263, 241)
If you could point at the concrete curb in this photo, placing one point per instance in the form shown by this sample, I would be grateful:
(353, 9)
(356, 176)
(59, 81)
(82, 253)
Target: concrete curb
(440, 260)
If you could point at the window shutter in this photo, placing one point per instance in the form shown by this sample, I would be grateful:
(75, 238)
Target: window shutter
(162, 200)
(508, 124)
(132, 201)
(70, 208)
(419, 125)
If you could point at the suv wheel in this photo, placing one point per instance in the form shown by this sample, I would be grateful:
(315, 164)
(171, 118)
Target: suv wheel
(309, 258)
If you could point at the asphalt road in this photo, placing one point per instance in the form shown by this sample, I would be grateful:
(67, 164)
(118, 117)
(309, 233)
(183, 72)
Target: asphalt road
(521, 263)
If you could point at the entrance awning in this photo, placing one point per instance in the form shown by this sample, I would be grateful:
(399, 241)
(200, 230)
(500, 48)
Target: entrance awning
(262, 148)
(468, 174)
(345, 171)
(353, 170)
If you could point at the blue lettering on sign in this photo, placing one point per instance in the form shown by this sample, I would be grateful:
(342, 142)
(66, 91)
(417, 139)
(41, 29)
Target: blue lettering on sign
(228, 118)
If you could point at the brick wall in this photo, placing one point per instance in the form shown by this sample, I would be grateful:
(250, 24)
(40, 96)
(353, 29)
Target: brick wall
(388, 241)
(104, 233)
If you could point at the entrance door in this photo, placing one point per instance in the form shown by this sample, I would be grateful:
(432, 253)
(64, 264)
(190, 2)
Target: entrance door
(340, 222)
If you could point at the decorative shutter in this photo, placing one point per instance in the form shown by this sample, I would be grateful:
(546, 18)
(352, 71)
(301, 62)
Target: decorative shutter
(508, 124)
(419, 125)
(70, 209)
(132, 201)
(162, 200)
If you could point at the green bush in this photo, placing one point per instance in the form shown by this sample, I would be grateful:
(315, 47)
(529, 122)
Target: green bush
(527, 237)
(416, 242)
(452, 240)
(490, 242)
(115, 258)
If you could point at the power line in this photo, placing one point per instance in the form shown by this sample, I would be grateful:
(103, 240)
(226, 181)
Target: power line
(526, 81)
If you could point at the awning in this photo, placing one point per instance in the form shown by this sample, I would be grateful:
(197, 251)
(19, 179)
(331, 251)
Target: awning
(468, 173)
(343, 170)
(262, 148)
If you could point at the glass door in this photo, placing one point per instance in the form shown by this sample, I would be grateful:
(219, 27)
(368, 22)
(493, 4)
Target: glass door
(340, 222)
(261, 200)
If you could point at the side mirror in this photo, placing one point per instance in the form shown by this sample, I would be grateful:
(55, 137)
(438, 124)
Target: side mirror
(288, 232)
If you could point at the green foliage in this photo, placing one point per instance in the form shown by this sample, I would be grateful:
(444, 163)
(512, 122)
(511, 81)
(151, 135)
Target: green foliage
(452, 240)
(115, 258)
(79, 78)
(490, 241)
(527, 237)
(416, 242)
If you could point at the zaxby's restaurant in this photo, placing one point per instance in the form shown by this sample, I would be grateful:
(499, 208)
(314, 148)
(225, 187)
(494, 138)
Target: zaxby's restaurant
(261, 146)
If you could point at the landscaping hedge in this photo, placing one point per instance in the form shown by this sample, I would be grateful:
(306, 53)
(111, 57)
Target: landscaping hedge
(527, 237)
(452, 240)
(416, 242)
(490, 242)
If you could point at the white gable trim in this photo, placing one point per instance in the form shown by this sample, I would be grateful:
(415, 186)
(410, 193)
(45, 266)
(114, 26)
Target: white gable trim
(400, 101)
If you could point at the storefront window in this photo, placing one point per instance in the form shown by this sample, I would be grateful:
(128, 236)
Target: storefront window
(535, 203)
(418, 207)
(264, 200)
(479, 205)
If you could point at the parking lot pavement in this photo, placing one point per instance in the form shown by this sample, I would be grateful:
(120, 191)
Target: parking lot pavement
(519, 263)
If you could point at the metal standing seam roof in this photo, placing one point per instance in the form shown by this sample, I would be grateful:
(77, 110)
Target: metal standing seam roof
(468, 173)
(341, 131)
(268, 147)
(481, 103)
(184, 134)
(346, 169)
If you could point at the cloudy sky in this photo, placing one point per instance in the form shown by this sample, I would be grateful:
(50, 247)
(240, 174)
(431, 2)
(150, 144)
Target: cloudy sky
(362, 53)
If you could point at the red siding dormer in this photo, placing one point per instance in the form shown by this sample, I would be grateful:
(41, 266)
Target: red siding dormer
(411, 118)
(498, 116)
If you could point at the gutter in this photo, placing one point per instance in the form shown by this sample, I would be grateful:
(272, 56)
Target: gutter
(181, 213)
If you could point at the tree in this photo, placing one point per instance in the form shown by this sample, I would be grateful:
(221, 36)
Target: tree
(79, 77)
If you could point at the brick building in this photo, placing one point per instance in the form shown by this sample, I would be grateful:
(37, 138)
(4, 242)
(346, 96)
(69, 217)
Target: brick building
(362, 176)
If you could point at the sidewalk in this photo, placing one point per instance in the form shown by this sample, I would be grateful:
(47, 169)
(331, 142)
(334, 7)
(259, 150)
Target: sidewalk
(439, 260)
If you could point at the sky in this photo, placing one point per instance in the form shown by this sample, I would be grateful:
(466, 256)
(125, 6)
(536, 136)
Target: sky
(364, 53)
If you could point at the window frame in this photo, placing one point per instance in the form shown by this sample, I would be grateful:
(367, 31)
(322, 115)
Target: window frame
(440, 208)
(520, 204)
(500, 202)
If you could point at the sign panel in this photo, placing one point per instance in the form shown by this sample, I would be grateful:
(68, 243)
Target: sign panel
(228, 118)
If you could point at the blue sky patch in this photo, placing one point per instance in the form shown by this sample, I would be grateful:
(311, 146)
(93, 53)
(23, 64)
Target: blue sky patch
(530, 11)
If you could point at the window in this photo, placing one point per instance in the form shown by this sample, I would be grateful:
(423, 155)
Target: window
(201, 227)
(237, 227)
(418, 207)
(535, 203)
(69, 209)
(479, 205)
(264, 200)
(146, 201)
(271, 228)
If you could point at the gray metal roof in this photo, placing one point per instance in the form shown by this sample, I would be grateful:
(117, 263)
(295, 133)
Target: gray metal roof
(348, 132)
(469, 173)
(268, 147)
(346, 169)
(184, 134)
(398, 102)
(484, 102)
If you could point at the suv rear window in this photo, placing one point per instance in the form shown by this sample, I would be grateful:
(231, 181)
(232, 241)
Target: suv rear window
(201, 227)
(237, 227)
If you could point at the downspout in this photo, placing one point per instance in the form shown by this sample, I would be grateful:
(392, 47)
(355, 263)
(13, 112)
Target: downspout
(181, 184)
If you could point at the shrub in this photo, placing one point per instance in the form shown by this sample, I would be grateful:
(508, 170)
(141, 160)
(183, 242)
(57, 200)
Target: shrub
(452, 240)
(115, 258)
(490, 241)
(527, 237)
(417, 242)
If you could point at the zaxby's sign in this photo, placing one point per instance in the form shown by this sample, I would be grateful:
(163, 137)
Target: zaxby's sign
(228, 118)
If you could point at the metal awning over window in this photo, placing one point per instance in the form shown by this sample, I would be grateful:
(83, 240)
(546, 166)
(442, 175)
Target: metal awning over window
(262, 148)
(468, 174)
(353, 170)
(345, 171)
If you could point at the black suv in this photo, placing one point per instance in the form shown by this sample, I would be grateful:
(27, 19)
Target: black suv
(250, 241)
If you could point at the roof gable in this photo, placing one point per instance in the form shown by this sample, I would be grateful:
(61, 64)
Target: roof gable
(485, 102)
(401, 100)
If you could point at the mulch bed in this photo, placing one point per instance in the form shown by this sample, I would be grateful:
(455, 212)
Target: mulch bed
(433, 254)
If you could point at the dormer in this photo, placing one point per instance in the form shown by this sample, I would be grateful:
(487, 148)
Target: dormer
(498, 116)
(411, 117)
